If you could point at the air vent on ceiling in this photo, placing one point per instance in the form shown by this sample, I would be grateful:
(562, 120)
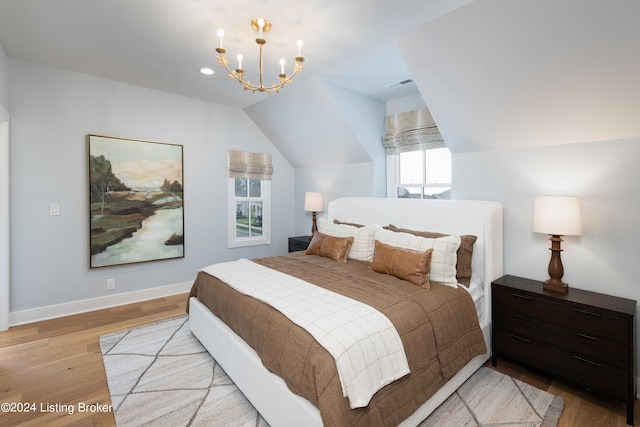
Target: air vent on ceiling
(396, 85)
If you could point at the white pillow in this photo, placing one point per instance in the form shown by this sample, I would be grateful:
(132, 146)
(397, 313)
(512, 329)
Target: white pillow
(363, 240)
(443, 258)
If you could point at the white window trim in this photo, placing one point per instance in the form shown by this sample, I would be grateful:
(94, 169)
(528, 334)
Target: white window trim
(393, 177)
(240, 242)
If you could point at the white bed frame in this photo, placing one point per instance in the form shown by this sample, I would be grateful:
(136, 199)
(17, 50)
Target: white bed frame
(269, 393)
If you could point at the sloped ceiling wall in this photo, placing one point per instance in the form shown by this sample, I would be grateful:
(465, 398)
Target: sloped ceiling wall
(316, 123)
(494, 74)
(501, 73)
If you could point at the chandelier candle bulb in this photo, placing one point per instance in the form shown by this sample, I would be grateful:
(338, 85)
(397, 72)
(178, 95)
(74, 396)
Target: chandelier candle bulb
(282, 66)
(260, 27)
(239, 61)
(220, 36)
(300, 48)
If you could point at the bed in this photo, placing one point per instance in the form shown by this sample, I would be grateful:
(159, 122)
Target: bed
(271, 395)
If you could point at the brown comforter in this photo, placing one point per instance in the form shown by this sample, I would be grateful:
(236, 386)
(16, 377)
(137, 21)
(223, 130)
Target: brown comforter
(438, 327)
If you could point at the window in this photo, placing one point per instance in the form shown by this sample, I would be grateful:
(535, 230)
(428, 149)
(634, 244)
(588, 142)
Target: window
(250, 204)
(249, 199)
(422, 174)
(418, 160)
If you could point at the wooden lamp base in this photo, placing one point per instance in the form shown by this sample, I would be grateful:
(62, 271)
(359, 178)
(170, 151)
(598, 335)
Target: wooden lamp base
(560, 287)
(556, 270)
(314, 224)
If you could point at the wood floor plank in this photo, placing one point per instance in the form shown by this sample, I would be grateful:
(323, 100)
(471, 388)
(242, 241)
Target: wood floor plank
(59, 361)
(581, 407)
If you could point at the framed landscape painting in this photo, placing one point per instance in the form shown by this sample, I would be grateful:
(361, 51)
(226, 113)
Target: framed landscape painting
(135, 201)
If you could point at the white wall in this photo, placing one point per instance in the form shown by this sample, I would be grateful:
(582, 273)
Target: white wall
(333, 182)
(366, 119)
(52, 112)
(4, 79)
(362, 117)
(4, 192)
(606, 177)
(404, 104)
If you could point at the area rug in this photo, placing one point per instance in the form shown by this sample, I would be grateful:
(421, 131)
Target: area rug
(160, 375)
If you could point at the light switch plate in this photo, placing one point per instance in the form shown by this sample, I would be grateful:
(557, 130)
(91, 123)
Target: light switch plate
(54, 209)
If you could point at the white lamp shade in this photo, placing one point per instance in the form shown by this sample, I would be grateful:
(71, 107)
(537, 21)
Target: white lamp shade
(557, 215)
(313, 202)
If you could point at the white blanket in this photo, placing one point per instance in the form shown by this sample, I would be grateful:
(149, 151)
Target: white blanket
(366, 346)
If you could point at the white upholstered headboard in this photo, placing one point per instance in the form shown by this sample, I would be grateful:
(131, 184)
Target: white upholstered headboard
(479, 218)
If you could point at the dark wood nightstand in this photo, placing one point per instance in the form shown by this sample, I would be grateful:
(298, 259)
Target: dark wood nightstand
(299, 243)
(583, 337)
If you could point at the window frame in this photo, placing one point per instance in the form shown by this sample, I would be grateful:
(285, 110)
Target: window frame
(239, 242)
(393, 177)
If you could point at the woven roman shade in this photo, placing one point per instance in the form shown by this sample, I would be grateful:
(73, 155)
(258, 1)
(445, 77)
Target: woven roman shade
(411, 131)
(243, 164)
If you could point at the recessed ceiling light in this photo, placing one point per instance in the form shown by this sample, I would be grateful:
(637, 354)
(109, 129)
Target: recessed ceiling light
(206, 71)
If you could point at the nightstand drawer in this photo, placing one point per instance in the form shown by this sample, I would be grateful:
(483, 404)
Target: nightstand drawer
(297, 246)
(299, 243)
(593, 347)
(519, 302)
(589, 345)
(594, 322)
(587, 320)
(577, 367)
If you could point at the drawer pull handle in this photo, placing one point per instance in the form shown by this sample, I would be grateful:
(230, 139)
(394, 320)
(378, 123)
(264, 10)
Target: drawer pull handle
(520, 296)
(521, 339)
(525, 318)
(586, 336)
(591, 362)
(591, 313)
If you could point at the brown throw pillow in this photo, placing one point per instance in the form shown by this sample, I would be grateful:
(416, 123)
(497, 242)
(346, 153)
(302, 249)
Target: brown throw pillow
(336, 248)
(465, 251)
(402, 263)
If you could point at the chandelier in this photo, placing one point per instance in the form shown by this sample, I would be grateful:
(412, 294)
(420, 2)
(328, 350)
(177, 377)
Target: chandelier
(261, 26)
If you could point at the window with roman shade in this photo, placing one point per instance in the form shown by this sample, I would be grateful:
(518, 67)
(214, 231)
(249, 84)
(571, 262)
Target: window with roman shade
(418, 160)
(411, 131)
(243, 164)
(249, 198)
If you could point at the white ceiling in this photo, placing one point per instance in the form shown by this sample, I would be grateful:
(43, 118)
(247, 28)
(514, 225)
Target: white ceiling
(504, 73)
(494, 73)
(160, 44)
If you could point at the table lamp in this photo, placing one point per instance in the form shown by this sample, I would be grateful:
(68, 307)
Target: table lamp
(314, 203)
(558, 216)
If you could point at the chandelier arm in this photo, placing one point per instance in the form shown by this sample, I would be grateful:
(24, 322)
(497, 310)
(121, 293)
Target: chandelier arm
(222, 60)
(274, 88)
(287, 79)
(261, 26)
(284, 79)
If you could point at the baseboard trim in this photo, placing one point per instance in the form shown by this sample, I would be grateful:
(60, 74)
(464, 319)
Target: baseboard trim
(75, 307)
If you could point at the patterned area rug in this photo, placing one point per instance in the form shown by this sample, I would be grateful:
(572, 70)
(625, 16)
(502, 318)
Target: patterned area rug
(160, 375)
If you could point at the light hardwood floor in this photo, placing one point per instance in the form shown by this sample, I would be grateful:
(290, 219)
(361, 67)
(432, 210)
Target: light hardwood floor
(58, 362)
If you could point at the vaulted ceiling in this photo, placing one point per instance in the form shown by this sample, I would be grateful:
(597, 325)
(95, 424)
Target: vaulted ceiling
(503, 74)
(494, 73)
(161, 44)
